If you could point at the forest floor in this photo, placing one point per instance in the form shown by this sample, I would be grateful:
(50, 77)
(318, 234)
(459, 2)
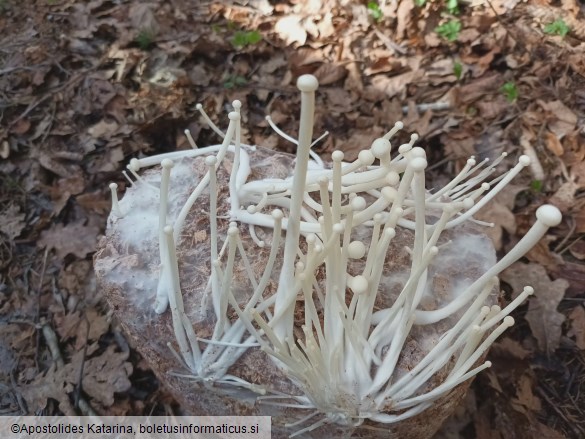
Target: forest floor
(85, 86)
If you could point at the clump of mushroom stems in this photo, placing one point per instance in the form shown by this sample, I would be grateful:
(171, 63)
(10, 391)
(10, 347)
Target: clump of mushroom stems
(345, 362)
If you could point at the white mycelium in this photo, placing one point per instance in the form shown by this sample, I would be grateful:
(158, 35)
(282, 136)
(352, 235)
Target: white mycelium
(345, 364)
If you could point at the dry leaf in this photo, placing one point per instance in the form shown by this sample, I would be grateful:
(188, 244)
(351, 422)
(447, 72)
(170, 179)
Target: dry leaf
(525, 396)
(103, 376)
(553, 144)
(52, 384)
(106, 375)
(542, 316)
(328, 73)
(395, 85)
(142, 17)
(74, 238)
(577, 249)
(403, 18)
(577, 330)
(564, 197)
(12, 221)
(94, 201)
(290, 29)
(563, 120)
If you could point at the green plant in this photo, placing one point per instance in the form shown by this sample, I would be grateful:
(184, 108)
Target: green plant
(450, 30)
(375, 11)
(452, 6)
(536, 185)
(243, 38)
(510, 91)
(557, 27)
(4, 6)
(234, 81)
(145, 38)
(420, 3)
(457, 69)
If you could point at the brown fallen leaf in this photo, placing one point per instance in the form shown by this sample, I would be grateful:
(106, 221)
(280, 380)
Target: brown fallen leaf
(12, 221)
(73, 238)
(403, 18)
(542, 316)
(94, 201)
(106, 375)
(562, 120)
(103, 376)
(525, 398)
(394, 85)
(577, 317)
(577, 249)
(564, 197)
(328, 73)
(553, 144)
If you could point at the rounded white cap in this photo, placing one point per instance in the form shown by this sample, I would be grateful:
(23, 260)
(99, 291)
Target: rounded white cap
(234, 115)
(549, 215)
(358, 203)
(524, 160)
(167, 163)
(418, 164)
(210, 160)
(307, 83)
(380, 147)
(337, 156)
(359, 284)
(134, 165)
(356, 250)
(366, 157)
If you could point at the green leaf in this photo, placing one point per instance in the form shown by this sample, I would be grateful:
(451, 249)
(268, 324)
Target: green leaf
(375, 11)
(557, 27)
(420, 3)
(233, 81)
(450, 30)
(145, 38)
(453, 6)
(254, 37)
(457, 70)
(510, 91)
(243, 38)
(536, 185)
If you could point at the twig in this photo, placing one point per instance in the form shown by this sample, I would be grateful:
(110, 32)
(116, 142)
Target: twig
(81, 367)
(567, 237)
(390, 44)
(431, 106)
(53, 343)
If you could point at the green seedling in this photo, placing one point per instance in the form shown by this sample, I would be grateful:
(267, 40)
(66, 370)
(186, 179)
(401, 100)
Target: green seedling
(452, 7)
(457, 70)
(244, 38)
(536, 185)
(145, 38)
(450, 30)
(510, 91)
(375, 11)
(234, 81)
(557, 27)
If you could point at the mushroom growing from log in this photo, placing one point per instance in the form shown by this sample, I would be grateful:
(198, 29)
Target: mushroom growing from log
(342, 299)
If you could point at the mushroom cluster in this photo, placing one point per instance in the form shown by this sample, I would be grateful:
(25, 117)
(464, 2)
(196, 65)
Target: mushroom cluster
(320, 307)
